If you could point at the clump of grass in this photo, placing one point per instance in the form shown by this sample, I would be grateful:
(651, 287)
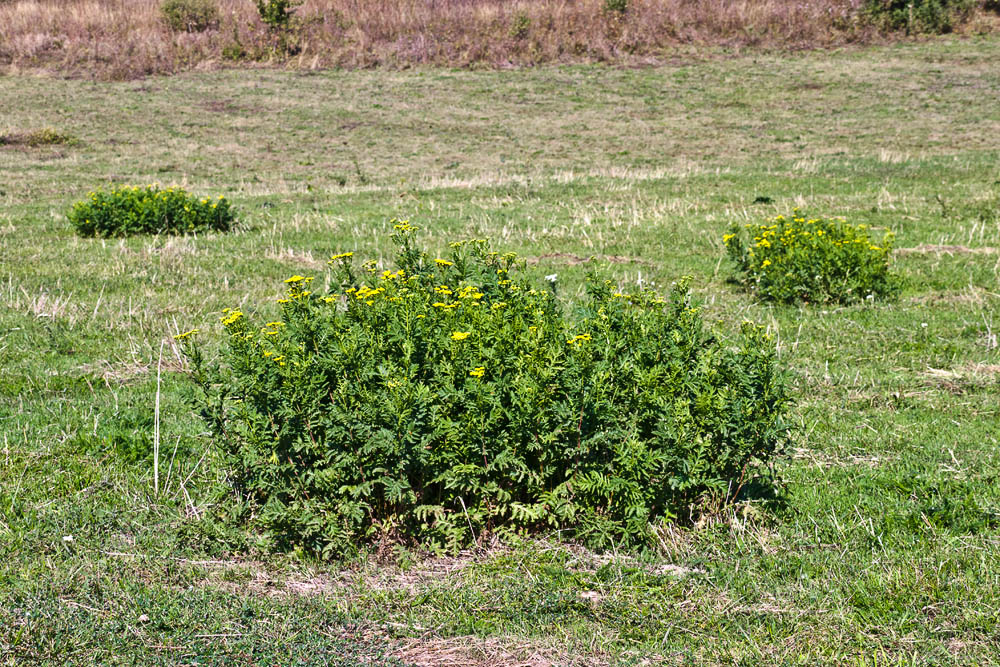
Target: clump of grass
(128, 210)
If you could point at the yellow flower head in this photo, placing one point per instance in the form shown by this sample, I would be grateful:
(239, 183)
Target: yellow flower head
(232, 317)
(460, 335)
(298, 279)
(185, 335)
(343, 255)
(442, 262)
(478, 372)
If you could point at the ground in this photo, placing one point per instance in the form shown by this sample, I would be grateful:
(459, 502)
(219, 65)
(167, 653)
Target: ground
(884, 548)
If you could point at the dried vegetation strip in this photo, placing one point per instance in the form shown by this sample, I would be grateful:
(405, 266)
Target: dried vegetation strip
(121, 39)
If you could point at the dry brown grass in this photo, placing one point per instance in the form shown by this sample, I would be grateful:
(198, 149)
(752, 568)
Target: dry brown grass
(119, 39)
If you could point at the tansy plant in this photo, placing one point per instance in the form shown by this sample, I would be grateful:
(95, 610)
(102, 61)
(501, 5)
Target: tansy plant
(443, 399)
(799, 259)
(127, 210)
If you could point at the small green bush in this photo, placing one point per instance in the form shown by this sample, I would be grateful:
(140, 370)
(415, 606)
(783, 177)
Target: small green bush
(190, 15)
(520, 25)
(277, 14)
(127, 210)
(919, 16)
(616, 6)
(792, 259)
(446, 399)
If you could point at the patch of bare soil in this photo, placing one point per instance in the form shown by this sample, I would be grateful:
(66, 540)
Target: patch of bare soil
(927, 248)
(571, 259)
(492, 652)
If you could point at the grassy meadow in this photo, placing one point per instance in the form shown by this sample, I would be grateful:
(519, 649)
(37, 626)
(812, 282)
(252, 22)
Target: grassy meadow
(884, 547)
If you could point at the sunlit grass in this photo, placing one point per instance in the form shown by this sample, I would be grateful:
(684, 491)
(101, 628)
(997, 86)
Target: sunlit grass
(885, 550)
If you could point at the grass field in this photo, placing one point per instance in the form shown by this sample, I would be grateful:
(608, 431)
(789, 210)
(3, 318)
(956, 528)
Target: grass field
(884, 549)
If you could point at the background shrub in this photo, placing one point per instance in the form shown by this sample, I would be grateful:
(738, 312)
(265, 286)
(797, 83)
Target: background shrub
(445, 398)
(616, 6)
(919, 16)
(190, 15)
(794, 259)
(127, 210)
(276, 14)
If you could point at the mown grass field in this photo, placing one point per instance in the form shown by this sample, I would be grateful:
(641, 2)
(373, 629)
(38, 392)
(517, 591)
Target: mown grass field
(885, 548)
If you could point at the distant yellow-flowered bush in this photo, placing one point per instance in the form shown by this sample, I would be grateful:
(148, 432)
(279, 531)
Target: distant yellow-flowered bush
(442, 400)
(128, 210)
(814, 260)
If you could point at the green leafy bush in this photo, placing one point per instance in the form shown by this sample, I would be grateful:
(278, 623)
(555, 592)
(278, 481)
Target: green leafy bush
(277, 14)
(190, 15)
(446, 399)
(127, 210)
(791, 259)
(616, 6)
(520, 25)
(919, 16)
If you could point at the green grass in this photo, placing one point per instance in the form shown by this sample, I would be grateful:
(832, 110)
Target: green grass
(886, 546)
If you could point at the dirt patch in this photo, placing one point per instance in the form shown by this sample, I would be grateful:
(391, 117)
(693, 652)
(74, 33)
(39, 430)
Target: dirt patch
(295, 257)
(227, 106)
(822, 460)
(571, 259)
(959, 380)
(37, 138)
(973, 296)
(493, 652)
(927, 248)
(126, 372)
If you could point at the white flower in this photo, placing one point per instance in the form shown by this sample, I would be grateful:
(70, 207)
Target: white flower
(551, 277)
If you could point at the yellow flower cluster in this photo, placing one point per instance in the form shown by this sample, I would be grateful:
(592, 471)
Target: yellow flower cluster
(470, 292)
(478, 371)
(230, 316)
(343, 255)
(186, 334)
(366, 293)
(460, 335)
(581, 338)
